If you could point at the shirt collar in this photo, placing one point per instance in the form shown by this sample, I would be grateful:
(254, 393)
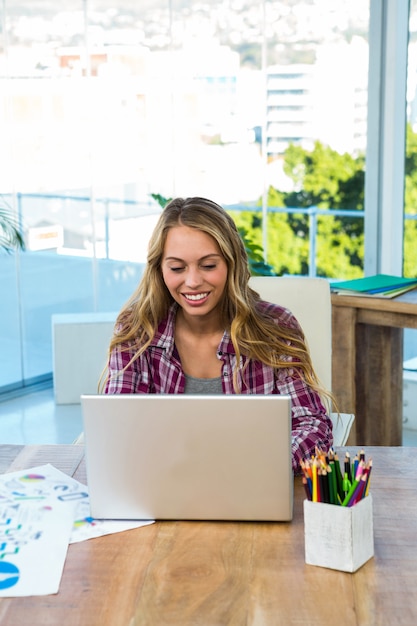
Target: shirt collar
(164, 336)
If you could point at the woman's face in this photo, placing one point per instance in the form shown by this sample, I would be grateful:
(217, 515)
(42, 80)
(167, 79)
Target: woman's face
(194, 270)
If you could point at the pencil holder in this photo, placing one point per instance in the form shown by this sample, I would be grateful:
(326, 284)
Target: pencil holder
(338, 537)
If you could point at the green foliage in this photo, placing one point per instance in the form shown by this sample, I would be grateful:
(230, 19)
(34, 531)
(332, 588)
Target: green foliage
(410, 205)
(287, 250)
(410, 248)
(11, 236)
(289, 254)
(161, 200)
(410, 160)
(325, 179)
(329, 180)
(339, 252)
(254, 250)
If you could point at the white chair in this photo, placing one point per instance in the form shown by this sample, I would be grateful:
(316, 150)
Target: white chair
(309, 300)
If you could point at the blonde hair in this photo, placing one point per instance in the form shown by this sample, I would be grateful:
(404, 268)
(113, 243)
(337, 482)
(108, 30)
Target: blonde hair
(254, 333)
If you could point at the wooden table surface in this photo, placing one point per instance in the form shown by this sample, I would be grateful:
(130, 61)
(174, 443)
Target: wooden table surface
(230, 573)
(367, 363)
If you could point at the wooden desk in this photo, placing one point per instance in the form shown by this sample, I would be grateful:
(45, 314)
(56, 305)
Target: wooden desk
(232, 574)
(367, 363)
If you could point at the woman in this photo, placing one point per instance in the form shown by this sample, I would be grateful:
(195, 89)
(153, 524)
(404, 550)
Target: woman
(194, 325)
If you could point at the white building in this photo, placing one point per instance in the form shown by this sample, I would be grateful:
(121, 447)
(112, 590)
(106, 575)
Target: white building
(290, 98)
(325, 101)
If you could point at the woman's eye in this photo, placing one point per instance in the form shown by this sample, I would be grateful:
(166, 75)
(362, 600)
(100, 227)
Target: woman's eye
(212, 266)
(176, 269)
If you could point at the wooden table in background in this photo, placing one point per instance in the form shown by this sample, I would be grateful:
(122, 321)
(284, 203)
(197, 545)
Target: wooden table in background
(231, 573)
(367, 363)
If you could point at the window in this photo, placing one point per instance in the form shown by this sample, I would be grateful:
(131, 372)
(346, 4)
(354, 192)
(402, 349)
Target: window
(105, 103)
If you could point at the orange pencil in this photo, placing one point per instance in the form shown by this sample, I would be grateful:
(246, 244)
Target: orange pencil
(306, 467)
(315, 481)
(306, 488)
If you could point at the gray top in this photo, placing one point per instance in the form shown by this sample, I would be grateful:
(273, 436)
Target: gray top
(203, 386)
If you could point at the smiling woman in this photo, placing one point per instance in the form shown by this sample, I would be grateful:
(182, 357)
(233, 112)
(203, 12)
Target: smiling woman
(195, 274)
(194, 325)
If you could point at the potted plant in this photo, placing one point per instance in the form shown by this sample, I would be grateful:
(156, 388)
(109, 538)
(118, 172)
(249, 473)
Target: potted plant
(11, 236)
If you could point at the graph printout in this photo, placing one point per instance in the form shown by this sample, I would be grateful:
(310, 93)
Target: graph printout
(42, 510)
(35, 528)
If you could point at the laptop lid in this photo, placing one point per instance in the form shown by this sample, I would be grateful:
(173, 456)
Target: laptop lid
(225, 457)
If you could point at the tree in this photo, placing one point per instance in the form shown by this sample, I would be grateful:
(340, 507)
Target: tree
(325, 179)
(328, 180)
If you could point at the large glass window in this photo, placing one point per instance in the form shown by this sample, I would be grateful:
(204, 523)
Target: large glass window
(258, 104)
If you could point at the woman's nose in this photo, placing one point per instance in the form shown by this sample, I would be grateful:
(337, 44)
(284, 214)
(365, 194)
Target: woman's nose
(193, 278)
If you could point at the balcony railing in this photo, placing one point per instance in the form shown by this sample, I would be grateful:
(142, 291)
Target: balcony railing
(86, 276)
(90, 217)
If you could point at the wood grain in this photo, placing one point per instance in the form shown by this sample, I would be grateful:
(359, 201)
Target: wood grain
(367, 363)
(234, 573)
(7, 456)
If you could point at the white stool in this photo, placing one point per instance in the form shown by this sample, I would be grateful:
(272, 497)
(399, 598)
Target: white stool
(80, 342)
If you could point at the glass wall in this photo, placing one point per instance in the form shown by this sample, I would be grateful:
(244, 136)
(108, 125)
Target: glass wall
(105, 103)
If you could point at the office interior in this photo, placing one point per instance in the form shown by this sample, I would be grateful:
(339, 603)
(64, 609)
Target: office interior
(96, 174)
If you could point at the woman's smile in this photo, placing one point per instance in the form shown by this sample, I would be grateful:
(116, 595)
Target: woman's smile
(196, 298)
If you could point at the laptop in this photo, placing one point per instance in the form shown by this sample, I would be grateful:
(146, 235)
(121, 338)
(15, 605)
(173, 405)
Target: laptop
(185, 457)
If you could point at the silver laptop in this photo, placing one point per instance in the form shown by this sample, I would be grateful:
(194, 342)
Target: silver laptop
(225, 457)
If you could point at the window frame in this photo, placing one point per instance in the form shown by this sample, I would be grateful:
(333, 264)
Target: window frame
(386, 137)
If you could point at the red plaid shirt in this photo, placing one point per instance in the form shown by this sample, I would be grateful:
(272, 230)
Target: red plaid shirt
(158, 370)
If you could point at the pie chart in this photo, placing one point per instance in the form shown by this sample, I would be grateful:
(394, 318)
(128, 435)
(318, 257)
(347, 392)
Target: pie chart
(9, 575)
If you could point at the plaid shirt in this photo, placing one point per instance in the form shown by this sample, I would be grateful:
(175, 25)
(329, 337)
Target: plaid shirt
(158, 370)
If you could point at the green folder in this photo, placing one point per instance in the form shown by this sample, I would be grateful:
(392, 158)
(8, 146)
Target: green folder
(378, 284)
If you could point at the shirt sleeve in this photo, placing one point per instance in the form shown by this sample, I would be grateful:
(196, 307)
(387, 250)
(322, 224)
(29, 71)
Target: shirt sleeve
(311, 425)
